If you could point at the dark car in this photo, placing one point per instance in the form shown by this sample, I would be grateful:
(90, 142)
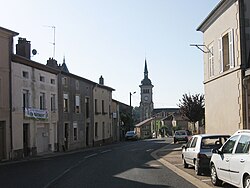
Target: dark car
(131, 135)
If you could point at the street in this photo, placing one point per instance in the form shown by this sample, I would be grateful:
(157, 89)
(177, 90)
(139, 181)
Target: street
(125, 164)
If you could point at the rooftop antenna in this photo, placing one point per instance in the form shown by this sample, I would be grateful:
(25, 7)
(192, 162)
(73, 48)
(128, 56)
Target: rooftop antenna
(54, 40)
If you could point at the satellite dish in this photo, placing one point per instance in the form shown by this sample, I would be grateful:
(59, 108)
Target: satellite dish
(34, 52)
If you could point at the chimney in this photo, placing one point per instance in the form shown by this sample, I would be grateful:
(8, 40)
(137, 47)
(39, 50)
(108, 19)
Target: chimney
(101, 81)
(52, 63)
(23, 48)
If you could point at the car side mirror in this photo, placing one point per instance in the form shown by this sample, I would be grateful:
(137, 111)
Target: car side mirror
(217, 151)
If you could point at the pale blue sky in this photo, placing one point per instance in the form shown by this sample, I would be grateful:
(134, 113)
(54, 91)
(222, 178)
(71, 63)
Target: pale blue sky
(112, 38)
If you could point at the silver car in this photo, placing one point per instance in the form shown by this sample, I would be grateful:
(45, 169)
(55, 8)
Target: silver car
(198, 150)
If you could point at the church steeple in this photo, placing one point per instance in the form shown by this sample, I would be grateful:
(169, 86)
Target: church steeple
(146, 104)
(146, 80)
(145, 70)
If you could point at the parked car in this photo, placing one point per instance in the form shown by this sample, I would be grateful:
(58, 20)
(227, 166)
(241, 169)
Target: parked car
(198, 150)
(181, 135)
(231, 163)
(131, 135)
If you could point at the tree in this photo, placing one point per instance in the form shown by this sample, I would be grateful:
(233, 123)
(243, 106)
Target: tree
(192, 107)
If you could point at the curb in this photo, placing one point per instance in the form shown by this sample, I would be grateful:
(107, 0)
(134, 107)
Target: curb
(178, 171)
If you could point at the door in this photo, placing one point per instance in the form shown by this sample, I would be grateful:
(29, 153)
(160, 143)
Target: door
(87, 135)
(2, 138)
(190, 151)
(25, 139)
(239, 159)
(222, 161)
(66, 136)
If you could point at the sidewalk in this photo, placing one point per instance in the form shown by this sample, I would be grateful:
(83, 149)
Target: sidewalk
(170, 156)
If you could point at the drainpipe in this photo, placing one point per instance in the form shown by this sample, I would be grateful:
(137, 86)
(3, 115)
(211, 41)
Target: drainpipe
(10, 98)
(245, 85)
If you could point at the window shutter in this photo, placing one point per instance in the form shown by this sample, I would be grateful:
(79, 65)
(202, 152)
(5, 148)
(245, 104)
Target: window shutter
(220, 54)
(231, 48)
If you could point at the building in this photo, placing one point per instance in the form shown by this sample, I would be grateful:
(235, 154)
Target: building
(6, 47)
(102, 95)
(34, 104)
(226, 37)
(145, 128)
(75, 106)
(146, 104)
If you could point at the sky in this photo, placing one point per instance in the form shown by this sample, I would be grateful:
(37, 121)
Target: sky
(113, 38)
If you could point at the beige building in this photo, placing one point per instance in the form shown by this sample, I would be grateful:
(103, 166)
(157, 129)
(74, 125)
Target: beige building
(6, 46)
(226, 62)
(102, 95)
(34, 104)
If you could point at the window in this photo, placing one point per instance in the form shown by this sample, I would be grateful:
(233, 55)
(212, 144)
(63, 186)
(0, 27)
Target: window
(145, 91)
(194, 142)
(52, 81)
(229, 145)
(64, 81)
(226, 51)
(42, 101)
(65, 102)
(96, 110)
(211, 61)
(96, 129)
(103, 111)
(26, 96)
(77, 85)
(42, 79)
(77, 102)
(243, 144)
(26, 74)
(53, 102)
(75, 135)
(87, 107)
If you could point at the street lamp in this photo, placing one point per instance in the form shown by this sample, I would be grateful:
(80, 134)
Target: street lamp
(130, 94)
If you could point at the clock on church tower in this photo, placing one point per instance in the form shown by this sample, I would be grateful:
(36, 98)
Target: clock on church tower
(146, 104)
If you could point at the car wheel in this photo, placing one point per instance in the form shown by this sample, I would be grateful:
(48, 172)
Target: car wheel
(197, 168)
(185, 164)
(246, 182)
(214, 178)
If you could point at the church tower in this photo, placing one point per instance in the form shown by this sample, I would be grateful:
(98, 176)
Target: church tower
(146, 104)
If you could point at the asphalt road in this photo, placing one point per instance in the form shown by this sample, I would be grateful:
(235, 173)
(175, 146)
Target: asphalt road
(127, 164)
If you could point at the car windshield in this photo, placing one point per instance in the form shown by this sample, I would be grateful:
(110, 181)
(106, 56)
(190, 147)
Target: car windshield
(213, 142)
(180, 133)
(130, 132)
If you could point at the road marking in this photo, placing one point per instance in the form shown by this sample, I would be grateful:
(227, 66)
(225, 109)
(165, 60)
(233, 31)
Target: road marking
(106, 151)
(149, 150)
(92, 155)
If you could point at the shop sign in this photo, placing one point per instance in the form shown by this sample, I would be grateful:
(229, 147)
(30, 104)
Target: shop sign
(36, 113)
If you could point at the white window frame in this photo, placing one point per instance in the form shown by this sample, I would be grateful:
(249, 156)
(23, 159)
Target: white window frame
(77, 104)
(231, 50)
(211, 61)
(65, 102)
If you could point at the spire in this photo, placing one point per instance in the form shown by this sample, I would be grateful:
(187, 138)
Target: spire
(146, 80)
(145, 69)
(64, 66)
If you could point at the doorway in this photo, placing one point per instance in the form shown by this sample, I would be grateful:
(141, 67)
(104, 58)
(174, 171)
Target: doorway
(2, 138)
(87, 135)
(26, 139)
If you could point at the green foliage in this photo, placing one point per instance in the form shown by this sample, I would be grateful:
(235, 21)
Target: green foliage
(192, 107)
